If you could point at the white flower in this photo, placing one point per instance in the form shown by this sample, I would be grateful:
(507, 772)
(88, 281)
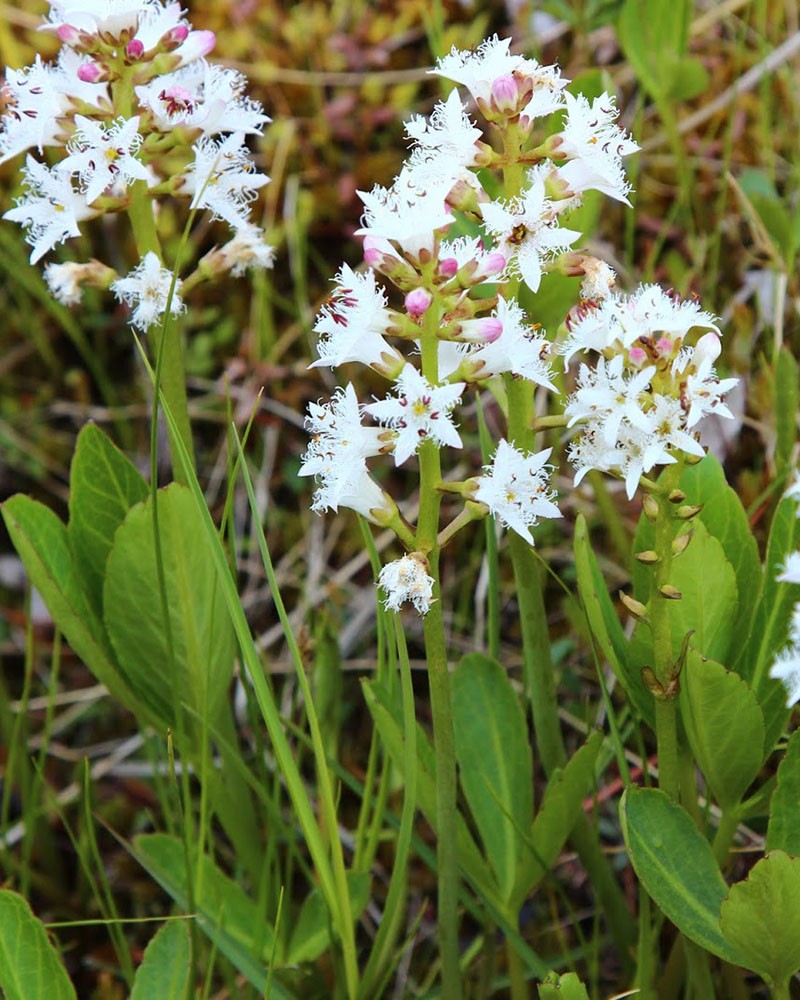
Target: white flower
(146, 289)
(404, 580)
(449, 128)
(51, 210)
(502, 83)
(33, 105)
(102, 155)
(790, 573)
(337, 455)
(64, 282)
(223, 179)
(598, 280)
(667, 419)
(595, 145)
(786, 667)
(515, 488)
(202, 96)
(478, 70)
(607, 395)
(701, 389)
(518, 349)
(633, 454)
(352, 322)
(419, 411)
(407, 214)
(91, 17)
(527, 231)
(248, 250)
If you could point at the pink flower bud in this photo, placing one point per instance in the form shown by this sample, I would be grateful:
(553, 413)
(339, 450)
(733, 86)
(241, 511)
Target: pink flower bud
(708, 346)
(177, 34)
(448, 267)
(418, 301)
(494, 264)
(664, 345)
(505, 95)
(637, 355)
(197, 45)
(372, 252)
(134, 49)
(492, 328)
(68, 34)
(89, 72)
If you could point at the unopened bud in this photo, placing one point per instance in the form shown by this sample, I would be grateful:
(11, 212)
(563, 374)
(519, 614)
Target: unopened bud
(418, 301)
(664, 345)
(680, 543)
(650, 506)
(447, 268)
(670, 592)
(478, 331)
(676, 496)
(90, 72)
(495, 263)
(134, 50)
(505, 95)
(708, 346)
(637, 355)
(68, 34)
(649, 557)
(176, 35)
(687, 512)
(636, 608)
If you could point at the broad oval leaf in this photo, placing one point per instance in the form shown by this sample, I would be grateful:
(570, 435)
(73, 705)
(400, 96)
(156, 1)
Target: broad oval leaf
(166, 966)
(494, 762)
(676, 866)
(783, 832)
(724, 725)
(104, 485)
(30, 968)
(201, 631)
(556, 817)
(761, 919)
(41, 540)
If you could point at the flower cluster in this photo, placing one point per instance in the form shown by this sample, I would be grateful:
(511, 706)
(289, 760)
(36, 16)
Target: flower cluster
(131, 111)
(446, 318)
(640, 403)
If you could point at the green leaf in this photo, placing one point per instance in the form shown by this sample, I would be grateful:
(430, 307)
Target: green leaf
(708, 605)
(41, 541)
(565, 987)
(30, 967)
(761, 919)
(689, 79)
(787, 404)
(166, 966)
(494, 761)
(783, 831)
(202, 635)
(104, 485)
(726, 520)
(724, 725)
(653, 35)
(222, 910)
(390, 730)
(311, 934)
(603, 622)
(676, 866)
(561, 806)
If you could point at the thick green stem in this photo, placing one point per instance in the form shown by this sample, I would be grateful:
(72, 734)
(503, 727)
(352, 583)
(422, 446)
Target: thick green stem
(516, 974)
(439, 683)
(171, 369)
(726, 831)
(666, 703)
